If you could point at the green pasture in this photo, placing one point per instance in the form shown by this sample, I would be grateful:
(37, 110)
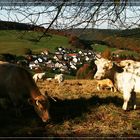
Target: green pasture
(15, 42)
(101, 48)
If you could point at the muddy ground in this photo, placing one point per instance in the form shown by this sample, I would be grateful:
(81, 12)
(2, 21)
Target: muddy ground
(77, 109)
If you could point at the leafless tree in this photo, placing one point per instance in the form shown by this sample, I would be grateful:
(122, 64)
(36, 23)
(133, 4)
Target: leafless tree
(68, 14)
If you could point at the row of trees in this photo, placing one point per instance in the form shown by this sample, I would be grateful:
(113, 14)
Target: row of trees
(132, 44)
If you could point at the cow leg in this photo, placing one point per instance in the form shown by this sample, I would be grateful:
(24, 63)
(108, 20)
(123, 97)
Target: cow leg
(133, 98)
(111, 88)
(126, 97)
(114, 89)
(98, 87)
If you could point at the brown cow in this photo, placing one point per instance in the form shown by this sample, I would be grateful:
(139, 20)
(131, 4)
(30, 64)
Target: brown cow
(17, 85)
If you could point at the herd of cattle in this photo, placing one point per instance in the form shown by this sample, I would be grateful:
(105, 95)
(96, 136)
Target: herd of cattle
(125, 77)
(19, 87)
(63, 60)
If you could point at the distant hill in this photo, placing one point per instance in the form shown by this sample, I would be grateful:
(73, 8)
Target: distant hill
(8, 25)
(133, 33)
(122, 39)
(93, 34)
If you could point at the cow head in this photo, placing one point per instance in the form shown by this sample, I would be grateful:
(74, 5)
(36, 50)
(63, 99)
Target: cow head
(41, 106)
(103, 65)
(106, 69)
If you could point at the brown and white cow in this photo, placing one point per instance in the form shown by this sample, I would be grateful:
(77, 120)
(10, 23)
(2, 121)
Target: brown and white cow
(126, 82)
(17, 85)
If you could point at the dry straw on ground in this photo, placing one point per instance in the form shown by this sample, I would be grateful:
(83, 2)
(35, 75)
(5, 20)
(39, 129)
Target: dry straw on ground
(81, 110)
(71, 89)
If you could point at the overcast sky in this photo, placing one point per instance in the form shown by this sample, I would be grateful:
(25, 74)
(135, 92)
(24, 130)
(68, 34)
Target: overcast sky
(44, 19)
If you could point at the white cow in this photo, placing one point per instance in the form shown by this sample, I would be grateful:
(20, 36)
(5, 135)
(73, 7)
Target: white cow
(131, 66)
(126, 82)
(59, 78)
(38, 76)
(125, 63)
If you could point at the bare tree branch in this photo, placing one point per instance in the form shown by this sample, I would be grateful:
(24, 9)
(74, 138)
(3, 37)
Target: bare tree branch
(75, 14)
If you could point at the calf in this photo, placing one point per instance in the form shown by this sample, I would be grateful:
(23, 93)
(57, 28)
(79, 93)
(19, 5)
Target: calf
(18, 87)
(38, 76)
(59, 78)
(106, 83)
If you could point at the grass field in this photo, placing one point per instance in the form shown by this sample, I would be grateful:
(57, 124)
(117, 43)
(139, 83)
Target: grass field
(12, 41)
(101, 48)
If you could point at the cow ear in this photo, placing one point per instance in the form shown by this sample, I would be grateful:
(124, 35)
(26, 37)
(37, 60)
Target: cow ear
(119, 69)
(30, 101)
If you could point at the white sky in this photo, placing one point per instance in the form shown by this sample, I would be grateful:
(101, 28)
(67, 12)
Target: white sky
(132, 15)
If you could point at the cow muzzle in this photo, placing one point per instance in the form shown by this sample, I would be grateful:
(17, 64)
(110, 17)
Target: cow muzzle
(97, 77)
(45, 116)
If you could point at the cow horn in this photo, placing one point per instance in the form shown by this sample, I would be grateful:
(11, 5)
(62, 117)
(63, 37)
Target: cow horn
(37, 102)
(97, 56)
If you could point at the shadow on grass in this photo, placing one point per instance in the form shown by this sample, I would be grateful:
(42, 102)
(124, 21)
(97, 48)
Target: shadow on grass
(29, 124)
(25, 124)
(69, 109)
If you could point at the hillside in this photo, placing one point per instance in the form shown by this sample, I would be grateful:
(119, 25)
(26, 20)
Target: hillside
(9, 25)
(94, 34)
(16, 37)
(120, 39)
(15, 42)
